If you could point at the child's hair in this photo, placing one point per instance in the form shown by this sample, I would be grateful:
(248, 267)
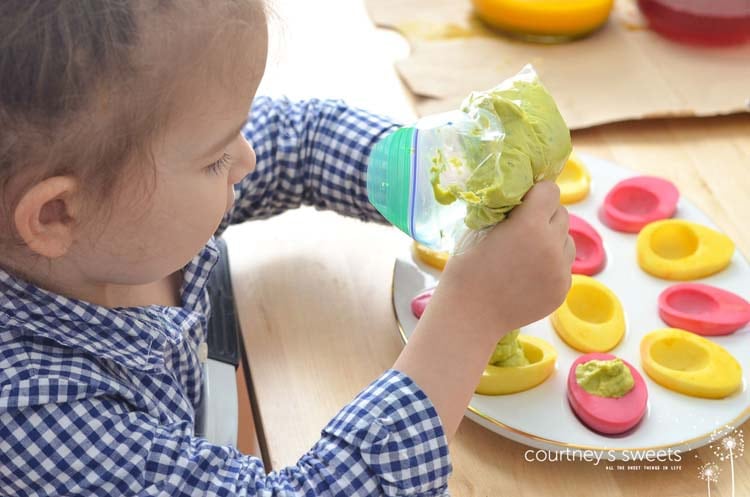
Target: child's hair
(77, 93)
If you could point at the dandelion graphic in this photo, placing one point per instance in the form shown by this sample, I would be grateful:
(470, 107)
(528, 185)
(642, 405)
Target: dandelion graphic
(709, 473)
(728, 444)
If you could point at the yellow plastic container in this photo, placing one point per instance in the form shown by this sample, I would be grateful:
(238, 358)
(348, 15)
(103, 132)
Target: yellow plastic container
(544, 20)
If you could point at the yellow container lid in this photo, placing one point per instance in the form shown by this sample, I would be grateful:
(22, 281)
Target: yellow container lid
(544, 20)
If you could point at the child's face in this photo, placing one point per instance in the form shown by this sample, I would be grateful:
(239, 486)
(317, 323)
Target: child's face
(198, 159)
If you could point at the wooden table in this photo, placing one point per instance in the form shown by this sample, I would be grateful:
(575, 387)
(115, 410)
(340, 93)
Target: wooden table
(314, 288)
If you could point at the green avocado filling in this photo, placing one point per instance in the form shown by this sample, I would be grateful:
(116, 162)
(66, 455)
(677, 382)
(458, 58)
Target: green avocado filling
(509, 352)
(610, 378)
(518, 139)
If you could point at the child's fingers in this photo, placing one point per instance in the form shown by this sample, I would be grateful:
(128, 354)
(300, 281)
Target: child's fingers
(569, 251)
(560, 221)
(543, 198)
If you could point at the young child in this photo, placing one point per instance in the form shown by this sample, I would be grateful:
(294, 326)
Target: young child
(124, 141)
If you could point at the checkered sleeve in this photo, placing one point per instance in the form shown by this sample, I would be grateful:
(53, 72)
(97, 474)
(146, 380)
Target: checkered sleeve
(312, 152)
(388, 441)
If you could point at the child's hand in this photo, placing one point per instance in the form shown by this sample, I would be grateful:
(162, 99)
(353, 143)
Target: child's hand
(518, 273)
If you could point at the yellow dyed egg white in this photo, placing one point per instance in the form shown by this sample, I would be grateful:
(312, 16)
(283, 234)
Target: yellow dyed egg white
(675, 249)
(591, 318)
(542, 358)
(433, 258)
(690, 364)
(574, 181)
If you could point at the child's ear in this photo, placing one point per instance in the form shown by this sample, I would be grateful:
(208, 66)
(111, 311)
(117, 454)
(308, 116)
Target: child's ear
(46, 216)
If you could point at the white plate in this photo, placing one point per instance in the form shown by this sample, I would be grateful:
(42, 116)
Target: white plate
(541, 417)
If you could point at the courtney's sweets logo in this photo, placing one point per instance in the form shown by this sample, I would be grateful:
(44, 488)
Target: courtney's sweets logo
(727, 444)
(598, 456)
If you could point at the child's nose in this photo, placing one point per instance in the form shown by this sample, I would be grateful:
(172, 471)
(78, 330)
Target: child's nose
(245, 163)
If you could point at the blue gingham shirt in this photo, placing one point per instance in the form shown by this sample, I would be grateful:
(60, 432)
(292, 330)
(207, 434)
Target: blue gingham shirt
(100, 401)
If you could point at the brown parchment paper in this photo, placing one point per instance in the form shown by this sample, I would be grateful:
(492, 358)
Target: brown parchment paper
(621, 72)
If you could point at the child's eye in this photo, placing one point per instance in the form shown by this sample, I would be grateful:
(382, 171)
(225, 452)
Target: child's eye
(220, 165)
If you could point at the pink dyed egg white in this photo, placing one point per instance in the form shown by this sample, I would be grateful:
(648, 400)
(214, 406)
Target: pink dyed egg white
(703, 309)
(419, 303)
(607, 415)
(633, 203)
(590, 256)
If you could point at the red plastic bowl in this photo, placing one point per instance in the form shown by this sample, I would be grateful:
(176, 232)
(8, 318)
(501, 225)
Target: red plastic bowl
(705, 22)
